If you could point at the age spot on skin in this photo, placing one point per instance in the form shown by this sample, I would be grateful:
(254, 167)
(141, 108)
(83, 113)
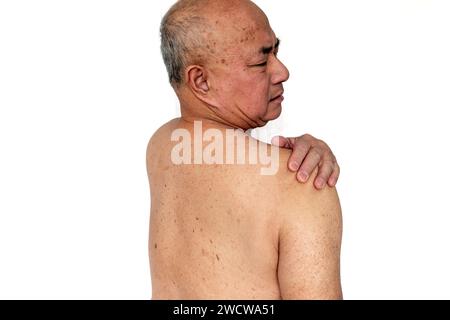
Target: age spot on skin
(218, 259)
(156, 246)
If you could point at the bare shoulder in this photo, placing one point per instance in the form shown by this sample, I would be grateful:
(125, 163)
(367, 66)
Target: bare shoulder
(303, 198)
(159, 137)
(310, 232)
(302, 202)
(158, 144)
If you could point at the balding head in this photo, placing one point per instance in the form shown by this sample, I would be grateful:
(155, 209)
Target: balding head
(221, 59)
(193, 31)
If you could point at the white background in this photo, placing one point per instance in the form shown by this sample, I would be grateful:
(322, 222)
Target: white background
(83, 87)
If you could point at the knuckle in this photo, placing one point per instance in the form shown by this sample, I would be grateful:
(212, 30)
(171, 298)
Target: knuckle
(321, 143)
(308, 164)
(326, 146)
(327, 168)
(329, 163)
(316, 154)
(323, 174)
(332, 159)
(301, 148)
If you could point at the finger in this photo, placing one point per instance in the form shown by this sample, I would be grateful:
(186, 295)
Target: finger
(325, 171)
(279, 141)
(299, 152)
(283, 142)
(311, 162)
(335, 175)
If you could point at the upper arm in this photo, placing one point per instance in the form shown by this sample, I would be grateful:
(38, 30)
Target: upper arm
(309, 243)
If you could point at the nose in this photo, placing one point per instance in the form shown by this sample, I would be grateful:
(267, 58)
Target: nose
(280, 72)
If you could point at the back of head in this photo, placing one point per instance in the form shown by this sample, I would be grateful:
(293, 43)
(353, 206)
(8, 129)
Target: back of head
(180, 30)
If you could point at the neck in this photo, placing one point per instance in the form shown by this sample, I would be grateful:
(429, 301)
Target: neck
(207, 119)
(214, 117)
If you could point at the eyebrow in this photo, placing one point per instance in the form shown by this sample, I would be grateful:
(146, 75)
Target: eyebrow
(267, 50)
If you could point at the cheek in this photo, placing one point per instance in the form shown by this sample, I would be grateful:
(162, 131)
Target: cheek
(259, 94)
(249, 93)
(253, 99)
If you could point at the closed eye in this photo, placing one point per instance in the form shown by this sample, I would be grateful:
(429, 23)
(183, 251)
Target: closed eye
(261, 64)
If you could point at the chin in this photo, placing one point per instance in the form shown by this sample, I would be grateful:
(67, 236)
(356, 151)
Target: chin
(273, 114)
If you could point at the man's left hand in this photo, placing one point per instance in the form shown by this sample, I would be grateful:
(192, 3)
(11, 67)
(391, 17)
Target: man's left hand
(308, 153)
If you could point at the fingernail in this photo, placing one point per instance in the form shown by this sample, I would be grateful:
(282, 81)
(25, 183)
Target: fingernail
(294, 166)
(303, 176)
(320, 183)
(333, 182)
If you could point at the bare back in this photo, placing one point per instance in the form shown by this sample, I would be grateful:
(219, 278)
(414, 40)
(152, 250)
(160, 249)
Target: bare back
(212, 229)
(229, 232)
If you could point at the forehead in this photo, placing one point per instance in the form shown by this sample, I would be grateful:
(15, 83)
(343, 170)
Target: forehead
(241, 34)
(250, 42)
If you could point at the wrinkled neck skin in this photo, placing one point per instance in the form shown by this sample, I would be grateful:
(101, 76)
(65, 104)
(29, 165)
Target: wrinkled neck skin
(214, 117)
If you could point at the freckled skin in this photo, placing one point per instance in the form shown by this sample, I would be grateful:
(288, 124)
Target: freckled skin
(235, 234)
(241, 32)
(226, 231)
(218, 246)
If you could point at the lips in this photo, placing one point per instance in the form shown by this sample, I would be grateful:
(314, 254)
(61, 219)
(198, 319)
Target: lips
(280, 95)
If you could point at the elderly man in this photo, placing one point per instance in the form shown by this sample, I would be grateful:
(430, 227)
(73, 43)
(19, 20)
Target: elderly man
(223, 229)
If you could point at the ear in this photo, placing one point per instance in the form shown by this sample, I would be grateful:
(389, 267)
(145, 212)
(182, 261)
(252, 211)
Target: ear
(197, 80)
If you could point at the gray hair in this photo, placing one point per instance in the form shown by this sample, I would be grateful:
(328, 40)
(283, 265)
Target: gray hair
(181, 30)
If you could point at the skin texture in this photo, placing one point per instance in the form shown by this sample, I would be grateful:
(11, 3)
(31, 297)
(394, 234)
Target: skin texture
(308, 153)
(234, 92)
(226, 231)
(229, 86)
